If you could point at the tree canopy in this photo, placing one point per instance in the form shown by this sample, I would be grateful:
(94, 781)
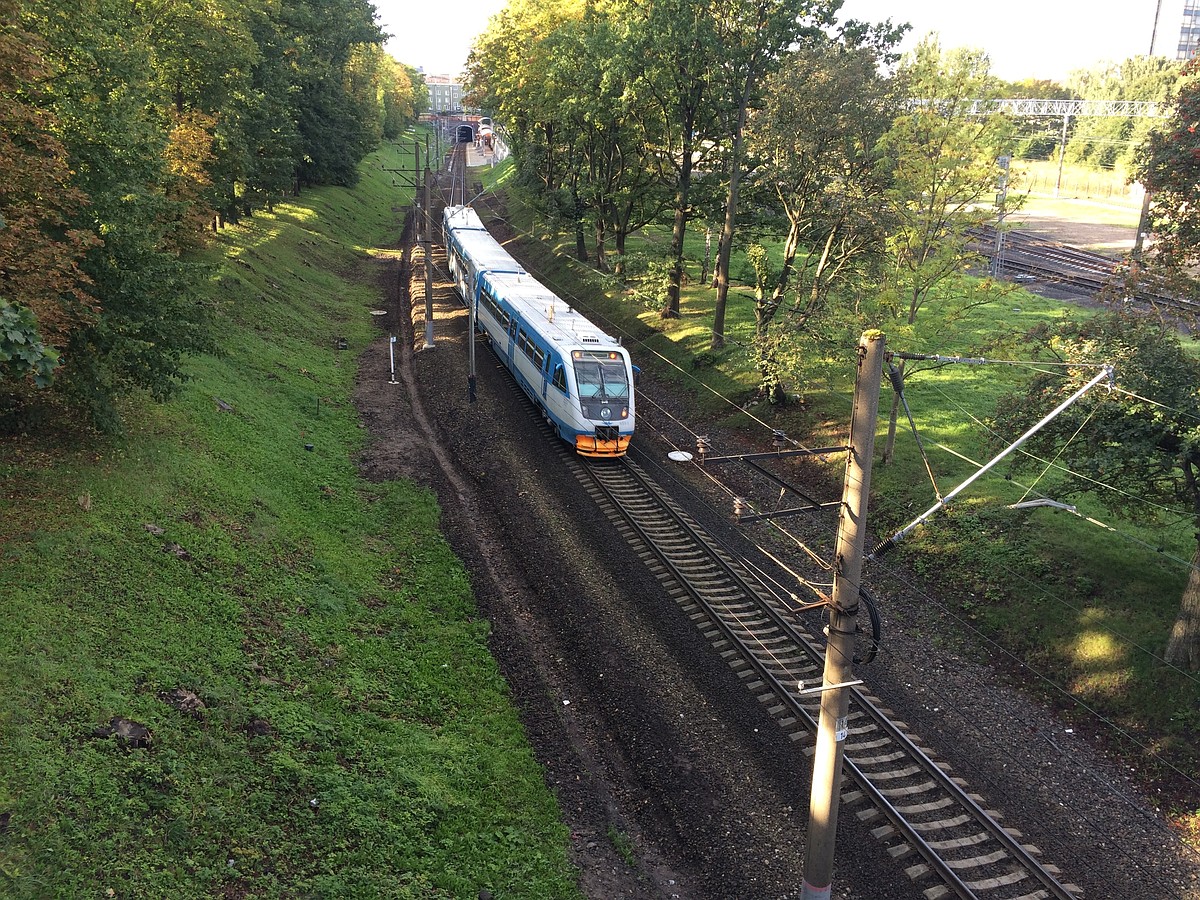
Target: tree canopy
(1168, 165)
(128, 128)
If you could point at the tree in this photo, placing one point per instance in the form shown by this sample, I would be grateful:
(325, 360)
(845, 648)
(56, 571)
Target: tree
(676, 50)
(754, 34)
(41, 245)
(943, 160)
(22, 353)
(149, 313)
(398, 86)
(1143, 440)
(617, 179)
(1037, 137)
(1110, 142)
(1168, 166)
(815, 138)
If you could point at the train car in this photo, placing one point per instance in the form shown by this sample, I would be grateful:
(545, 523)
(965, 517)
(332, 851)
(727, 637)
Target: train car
(464, 134)
(580, 378)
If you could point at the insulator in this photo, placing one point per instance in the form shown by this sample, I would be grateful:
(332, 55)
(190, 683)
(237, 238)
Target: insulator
(881, 548)
(739, 507)
(778, 439)
(702, 445)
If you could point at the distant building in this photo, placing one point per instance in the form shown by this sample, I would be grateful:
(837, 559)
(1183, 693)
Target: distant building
(1189, 31)
(445, 94)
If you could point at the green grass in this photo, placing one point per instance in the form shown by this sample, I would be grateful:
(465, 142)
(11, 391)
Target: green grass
(1040, 178)
(357, 738)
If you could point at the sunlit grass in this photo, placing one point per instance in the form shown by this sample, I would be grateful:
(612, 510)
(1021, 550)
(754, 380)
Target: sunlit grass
(356, 738)
(1098, 648)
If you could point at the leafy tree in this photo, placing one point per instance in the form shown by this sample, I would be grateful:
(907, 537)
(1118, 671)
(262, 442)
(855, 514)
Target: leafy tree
(1036, 137)
(1168, 165)
(943, 160)
(675, 49)
(149, 313)
(619, 176)
(22, 352)
(815, 139)
(398, 86)
(1142, 440)
(755, 35)
(258, 126)
(40, 247)
(508, 72)
(335, 119)
(1110, 142)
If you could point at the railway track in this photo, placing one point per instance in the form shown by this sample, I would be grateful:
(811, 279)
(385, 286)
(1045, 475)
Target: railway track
(946, 838)
(1034, 260)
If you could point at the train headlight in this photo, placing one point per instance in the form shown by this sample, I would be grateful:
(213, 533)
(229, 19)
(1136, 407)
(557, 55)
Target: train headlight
(605, 412)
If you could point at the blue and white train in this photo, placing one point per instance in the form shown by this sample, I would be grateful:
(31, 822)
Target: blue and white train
(580, 378)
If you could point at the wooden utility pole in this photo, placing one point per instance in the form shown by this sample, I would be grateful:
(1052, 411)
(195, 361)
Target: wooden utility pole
(839, 650)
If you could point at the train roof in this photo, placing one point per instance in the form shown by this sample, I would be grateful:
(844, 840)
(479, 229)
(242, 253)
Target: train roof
(459, 217)
(487, 255)
(554, 318)
(477, 242)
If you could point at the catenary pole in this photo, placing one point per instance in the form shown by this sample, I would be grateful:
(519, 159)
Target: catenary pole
(428, 257)
(839, 650)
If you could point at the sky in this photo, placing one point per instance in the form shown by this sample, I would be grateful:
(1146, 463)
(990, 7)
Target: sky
(1024, 38)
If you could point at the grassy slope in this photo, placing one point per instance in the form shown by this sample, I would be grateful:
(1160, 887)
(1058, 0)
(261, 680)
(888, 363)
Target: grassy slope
(357, 739)
(1086, 607)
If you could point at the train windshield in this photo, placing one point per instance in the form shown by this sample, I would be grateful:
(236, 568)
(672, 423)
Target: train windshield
(600, 375)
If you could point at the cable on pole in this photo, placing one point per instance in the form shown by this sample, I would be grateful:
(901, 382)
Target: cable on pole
(897, 380)
(1106, 374)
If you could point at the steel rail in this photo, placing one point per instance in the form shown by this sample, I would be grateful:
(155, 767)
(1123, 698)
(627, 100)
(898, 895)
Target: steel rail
(909, 832)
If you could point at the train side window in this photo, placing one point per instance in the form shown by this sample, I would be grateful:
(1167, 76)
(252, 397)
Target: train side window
(494, 308)
(525, 344)
(560, 378)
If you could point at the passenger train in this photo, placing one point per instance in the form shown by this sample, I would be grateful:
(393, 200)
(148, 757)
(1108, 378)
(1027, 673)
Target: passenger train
(580, 378)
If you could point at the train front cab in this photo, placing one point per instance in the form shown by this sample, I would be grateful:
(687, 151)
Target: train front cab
(604, 381)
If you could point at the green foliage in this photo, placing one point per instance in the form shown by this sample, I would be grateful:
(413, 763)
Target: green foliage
(1168, 164)
(22, 352)
(1135, 440)
(38, 201)
(815, 142)
(135, 128)
(944, 168)
(1138, 451)
(1108, 142)
(651, 276)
